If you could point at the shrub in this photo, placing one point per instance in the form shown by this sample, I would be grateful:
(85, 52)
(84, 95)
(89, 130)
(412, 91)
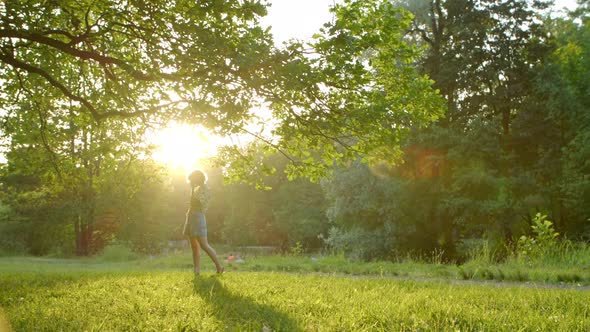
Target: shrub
(361, 244)
(542, 243)
(297, 249)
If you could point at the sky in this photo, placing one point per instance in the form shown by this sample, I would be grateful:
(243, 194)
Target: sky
(297, 18)
(302, 18)
(569, 4)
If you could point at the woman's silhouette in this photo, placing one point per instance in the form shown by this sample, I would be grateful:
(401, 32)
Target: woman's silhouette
(195, 226)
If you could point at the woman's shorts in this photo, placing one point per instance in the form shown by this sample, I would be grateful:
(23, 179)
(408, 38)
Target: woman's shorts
(195, 224)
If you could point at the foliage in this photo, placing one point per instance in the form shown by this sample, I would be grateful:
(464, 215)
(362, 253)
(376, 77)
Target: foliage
(351, 93)
(297, 249)
(566, 82)
(113, 59)
(33, 222)
(83, 81)
(71, 161)
(248, 216)
(299, 213)
(512, 141)
(213, 64)
(43, 210)
(143, 202)
(382, 216)
(361, 244)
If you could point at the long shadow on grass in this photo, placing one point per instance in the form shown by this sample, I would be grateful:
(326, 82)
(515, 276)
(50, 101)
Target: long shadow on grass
(237, 311)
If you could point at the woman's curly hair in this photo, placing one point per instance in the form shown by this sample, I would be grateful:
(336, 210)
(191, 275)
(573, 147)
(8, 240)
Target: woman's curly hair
(196, 177)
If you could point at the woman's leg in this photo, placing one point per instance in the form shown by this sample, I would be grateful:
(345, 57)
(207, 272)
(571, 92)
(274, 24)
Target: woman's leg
(196, 253)
(211, 252)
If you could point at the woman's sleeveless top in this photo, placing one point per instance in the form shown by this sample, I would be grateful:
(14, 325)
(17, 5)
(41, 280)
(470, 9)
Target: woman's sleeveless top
(200, 197)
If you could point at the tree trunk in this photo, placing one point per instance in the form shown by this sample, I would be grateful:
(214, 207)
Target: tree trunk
(506, 126)
(78, 236)
(87, 198)
(84, 231)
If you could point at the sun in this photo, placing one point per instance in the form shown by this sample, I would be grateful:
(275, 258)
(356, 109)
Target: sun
(183, 146)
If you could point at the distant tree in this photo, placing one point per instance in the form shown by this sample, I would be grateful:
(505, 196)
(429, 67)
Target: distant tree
(481, 54)
(285, 213)
(484, 57)
(248, 219)
(497, 157)
(299, 212)
(563, 89)
(76, 164)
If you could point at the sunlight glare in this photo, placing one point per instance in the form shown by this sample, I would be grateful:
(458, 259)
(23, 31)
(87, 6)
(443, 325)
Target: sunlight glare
(184, 146)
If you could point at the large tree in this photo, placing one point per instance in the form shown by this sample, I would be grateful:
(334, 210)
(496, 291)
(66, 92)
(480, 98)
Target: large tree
(481, 54)
(82, 80)
(211, 62)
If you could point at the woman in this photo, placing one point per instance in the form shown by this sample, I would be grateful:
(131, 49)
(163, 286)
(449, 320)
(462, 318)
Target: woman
(195, 226)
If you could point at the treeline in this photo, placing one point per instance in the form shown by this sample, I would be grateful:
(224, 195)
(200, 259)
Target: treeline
(515, 141)
(144, 207)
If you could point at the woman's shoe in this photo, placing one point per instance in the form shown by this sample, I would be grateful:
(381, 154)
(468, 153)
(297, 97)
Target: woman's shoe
(221, 270)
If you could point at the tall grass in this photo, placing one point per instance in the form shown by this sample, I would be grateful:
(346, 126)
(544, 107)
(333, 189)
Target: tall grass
(565, 254)
(562, 262)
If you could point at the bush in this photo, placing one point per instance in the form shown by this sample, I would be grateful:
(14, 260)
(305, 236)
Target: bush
(297, 249)
(361, 244)
(542, 243)
(11, 246)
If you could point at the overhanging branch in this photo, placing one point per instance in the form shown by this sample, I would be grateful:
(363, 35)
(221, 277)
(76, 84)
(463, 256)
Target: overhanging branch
(35, 70)
(8, 59)
(84, 55)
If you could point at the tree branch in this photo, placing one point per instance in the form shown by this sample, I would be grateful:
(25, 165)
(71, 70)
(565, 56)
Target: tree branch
(42, 130)
(423, 35)
(269, 143)
(95, 114)
(35, 70)
(151, 110)
(84, 55)
(59, 32)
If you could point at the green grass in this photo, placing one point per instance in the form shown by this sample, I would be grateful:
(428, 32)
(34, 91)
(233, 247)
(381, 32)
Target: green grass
(162, 295)
(511, 270)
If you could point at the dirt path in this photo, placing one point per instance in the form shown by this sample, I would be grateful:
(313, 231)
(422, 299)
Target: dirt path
(491, 283)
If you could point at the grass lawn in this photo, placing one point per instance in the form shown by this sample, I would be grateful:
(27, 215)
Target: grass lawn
(78, 295)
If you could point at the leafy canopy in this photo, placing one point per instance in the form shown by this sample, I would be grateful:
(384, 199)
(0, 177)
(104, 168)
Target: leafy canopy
(351, 93)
